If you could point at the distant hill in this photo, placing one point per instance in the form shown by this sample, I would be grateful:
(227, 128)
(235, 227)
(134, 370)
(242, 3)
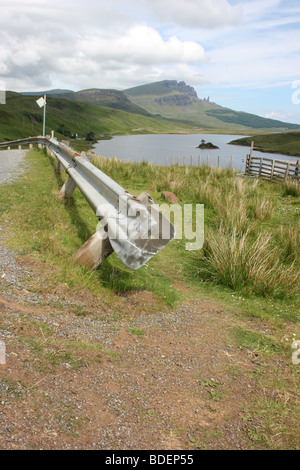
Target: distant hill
(108, 98)
(176, 100)
(21, 117)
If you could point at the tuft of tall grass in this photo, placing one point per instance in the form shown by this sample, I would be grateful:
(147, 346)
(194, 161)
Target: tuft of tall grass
(289, 238)
(291, 187)
(245, 264)
(262, 208)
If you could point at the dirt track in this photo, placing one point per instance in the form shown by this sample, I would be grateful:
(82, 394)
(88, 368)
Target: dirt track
(83, 375)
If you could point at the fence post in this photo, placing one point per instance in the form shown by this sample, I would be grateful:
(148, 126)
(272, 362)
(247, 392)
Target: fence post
(231, 162)
(218, 161)
(297, 169)
(247, 169)
(251, 149)
(260, 167)
(199, 160)
(272, 170)
(287, 171)
(207, 160)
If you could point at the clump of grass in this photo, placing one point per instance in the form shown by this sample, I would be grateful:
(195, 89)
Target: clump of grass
(263, 208)
(136, 331)
(232, 213)
(289, 237)
(247, 339)
(246, 264)
(291, 187)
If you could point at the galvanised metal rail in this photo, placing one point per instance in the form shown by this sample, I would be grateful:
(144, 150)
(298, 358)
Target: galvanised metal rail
(131, 227)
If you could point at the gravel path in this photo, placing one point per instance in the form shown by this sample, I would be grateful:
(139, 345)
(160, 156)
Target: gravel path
(11, 164)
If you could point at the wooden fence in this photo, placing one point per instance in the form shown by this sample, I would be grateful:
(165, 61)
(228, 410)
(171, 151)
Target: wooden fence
(272, 170)
(195, 161)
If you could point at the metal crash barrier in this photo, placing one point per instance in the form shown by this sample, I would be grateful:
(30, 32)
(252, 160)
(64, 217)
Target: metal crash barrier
(131, 226)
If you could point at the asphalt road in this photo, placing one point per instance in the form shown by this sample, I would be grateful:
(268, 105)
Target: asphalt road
(11, 164)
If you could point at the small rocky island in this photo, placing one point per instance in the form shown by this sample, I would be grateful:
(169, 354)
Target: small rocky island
(206, 145)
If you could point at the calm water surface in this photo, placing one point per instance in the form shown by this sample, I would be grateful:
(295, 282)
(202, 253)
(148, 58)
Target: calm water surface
(162, 149)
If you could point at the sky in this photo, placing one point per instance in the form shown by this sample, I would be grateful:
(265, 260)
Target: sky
(243, 54)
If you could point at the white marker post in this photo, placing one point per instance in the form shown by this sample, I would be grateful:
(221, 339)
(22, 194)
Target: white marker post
(42, 103)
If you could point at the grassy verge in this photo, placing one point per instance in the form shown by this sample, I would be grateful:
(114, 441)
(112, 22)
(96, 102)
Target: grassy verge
(252, 228)
(252, 232)
(249, 263)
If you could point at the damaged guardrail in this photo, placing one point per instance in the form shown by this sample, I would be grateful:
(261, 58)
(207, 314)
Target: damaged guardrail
(131, 226)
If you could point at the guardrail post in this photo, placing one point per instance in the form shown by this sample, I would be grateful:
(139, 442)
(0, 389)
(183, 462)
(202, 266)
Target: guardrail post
(67, 189)
(59, 167)
(94, 251)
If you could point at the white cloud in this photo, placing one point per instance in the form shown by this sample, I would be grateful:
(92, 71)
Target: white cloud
(195, 13)
(283, 116)
(40, 43)
(142, 45)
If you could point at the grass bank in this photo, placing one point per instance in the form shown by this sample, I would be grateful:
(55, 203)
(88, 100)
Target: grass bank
(252, 232)
(286, 143)
(249, 264)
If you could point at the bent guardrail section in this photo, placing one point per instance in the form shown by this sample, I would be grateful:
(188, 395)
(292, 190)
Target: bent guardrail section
(131, 227)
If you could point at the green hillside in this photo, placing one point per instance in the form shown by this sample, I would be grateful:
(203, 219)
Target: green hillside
(107, 98)
(287, 143)
(179, 101)
(21, 117)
